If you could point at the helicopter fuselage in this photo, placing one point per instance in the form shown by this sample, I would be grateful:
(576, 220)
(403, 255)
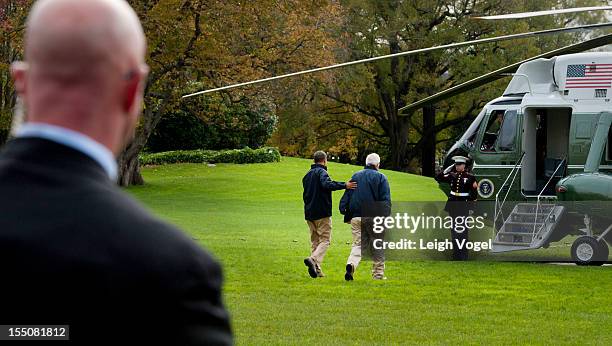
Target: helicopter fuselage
(541, 129)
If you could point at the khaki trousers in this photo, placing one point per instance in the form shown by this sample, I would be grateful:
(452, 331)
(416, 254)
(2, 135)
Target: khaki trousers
(320, 237)
(378, 258)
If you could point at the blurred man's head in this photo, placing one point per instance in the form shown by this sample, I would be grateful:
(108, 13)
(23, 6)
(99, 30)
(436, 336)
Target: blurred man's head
(460, 167)
(84, 68)
(320, 157)
(373, 160)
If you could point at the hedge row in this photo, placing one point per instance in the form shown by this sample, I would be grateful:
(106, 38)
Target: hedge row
(246, 155)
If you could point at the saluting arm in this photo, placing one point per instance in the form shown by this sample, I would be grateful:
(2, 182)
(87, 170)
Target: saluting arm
(443, 176)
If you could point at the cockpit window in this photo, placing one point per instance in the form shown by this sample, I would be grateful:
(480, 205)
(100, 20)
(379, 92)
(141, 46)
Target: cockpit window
(500, 133)
(507, 133)
(469, 137)
(492, 131)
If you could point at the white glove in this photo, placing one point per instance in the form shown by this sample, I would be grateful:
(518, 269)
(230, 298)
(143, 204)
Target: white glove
(448, 169)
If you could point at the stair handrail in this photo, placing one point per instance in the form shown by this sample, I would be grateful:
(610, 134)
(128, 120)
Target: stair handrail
(535, 221)
(513, 173)
(534, 236)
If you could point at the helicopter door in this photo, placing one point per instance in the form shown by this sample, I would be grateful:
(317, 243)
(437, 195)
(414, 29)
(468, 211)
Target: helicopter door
(545, 143)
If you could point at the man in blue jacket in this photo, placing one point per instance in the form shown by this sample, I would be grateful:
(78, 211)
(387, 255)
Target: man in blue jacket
(372, 198)
(318, 187)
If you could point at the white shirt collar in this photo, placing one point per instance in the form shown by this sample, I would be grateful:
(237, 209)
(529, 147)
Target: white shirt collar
(74, 140)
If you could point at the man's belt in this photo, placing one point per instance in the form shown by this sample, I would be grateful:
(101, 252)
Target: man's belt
(460, 194)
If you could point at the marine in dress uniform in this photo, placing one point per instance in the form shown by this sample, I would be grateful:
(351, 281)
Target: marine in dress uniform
(460, 201)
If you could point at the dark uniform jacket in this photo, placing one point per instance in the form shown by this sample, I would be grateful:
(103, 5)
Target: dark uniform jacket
(371, 198)
(75, 250)
(317, 195)
(461, 184)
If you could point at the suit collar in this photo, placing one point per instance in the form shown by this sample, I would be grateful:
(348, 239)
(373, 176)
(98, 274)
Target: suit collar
(43, 155)
(74, 140)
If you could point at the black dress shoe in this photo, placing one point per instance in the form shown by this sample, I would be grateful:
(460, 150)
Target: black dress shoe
(350, 270)
(312, 270)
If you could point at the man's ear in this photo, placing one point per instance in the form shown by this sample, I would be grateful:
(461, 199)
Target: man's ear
(19, 71)
(134, 89)
(131, 93)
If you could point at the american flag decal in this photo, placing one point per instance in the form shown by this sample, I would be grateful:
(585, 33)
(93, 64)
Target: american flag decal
(589, 76)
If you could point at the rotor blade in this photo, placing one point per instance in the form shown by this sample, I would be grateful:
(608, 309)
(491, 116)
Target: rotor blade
(497, 74)
(410, 52)
(545, 13)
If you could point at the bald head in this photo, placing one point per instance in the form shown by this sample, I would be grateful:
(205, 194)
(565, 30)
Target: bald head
(84, 67)
(75, 39)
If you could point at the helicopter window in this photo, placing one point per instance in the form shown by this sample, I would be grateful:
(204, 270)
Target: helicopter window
(469, 137)
(507, 133)
(491, 132)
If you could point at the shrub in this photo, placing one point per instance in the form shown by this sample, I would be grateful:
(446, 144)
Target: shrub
(246, 155)
(179, 131)
(198, 125)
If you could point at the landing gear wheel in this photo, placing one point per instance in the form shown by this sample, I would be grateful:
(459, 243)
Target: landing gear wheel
(586, 250)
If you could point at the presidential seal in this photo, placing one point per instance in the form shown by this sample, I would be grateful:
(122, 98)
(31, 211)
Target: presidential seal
(485, 188)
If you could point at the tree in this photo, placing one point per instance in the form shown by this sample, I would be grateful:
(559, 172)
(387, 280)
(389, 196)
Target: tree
(378, 90)
(216, 43)
(196, 44)
(12, 21)
(173, 29)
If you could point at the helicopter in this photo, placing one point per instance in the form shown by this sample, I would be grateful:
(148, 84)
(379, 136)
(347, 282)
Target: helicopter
(546, 142)
(542, 147)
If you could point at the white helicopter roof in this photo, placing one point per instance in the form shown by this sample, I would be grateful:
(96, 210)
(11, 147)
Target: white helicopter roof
(535, 76)
(568, 78)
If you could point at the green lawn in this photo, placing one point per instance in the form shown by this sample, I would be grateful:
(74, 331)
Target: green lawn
(251, 218)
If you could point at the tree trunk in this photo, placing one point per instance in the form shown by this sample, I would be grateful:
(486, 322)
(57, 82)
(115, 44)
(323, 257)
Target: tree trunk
(428, 151)
(398, 144)
(128, 163)
(129, 166)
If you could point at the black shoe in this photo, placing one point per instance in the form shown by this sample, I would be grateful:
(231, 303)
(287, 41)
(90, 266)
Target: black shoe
(312, 270)
(350, 270)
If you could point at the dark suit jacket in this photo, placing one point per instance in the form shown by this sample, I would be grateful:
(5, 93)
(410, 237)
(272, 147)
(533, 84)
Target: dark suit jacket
(75, 249)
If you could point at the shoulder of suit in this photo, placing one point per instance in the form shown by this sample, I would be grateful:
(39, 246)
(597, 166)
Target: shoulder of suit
(138, 224)
(168, 250)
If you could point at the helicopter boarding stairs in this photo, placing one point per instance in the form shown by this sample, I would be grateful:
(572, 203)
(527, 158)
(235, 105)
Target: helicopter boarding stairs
(530, 224)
